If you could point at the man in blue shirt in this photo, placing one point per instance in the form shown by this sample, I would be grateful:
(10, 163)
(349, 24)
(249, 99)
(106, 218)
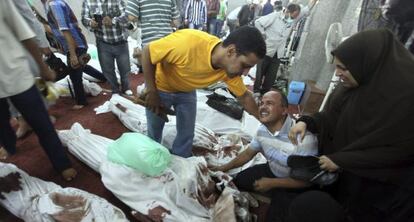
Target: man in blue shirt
(65, 28)
(267, 8)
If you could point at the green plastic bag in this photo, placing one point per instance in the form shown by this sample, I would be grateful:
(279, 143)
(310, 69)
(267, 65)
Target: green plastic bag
(139, 152)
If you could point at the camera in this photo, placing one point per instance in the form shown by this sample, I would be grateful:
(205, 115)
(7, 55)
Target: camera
(98, 18)
(130, 26)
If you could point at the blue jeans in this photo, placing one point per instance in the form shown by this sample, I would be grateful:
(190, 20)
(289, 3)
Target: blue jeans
(194, 26)
(185, 106)
(108, 54)
(219, 27)
(211, 25)
(30, 105)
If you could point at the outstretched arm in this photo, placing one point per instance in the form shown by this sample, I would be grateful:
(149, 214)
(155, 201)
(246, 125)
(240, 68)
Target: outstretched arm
(249, 104)
(240, 160)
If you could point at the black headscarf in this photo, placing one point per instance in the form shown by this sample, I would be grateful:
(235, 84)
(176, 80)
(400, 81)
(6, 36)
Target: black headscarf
(369, 130)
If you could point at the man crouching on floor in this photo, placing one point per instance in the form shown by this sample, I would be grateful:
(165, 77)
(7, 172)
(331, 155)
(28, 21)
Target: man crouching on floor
(272, 141)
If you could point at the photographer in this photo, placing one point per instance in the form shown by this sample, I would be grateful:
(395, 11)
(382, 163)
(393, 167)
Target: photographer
(109, 23)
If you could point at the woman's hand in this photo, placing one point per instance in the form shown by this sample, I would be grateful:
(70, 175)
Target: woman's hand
(327, 164)
(298, 128)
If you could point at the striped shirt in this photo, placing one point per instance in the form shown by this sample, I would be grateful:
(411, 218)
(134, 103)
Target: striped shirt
(61, 18)
(196, 12)
(115, 9)
(276, 147)
(155, 17)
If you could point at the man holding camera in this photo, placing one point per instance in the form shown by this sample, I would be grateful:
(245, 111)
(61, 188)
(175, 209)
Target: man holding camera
(107, 19)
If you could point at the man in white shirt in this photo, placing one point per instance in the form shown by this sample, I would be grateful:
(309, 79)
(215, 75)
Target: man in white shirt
(17, 84)
(276, 28)
(273, 142)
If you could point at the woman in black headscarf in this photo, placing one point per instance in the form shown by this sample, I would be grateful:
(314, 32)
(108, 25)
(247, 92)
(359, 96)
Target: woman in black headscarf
(366, 131)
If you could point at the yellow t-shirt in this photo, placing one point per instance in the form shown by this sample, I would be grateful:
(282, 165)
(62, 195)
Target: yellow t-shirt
(183, 63)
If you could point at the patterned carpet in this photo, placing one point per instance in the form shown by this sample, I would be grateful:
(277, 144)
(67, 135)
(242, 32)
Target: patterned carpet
(32, 159)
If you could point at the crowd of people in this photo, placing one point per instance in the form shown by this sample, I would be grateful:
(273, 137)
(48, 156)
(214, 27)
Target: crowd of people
(363, 136)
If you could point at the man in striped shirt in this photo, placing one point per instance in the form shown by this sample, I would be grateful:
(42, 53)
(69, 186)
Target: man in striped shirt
(107, 19)
(156, 17)
(196, 14)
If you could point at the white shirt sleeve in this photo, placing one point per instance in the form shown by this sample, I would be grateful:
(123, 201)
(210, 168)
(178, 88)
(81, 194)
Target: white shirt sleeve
(15, 21)
(26, 12)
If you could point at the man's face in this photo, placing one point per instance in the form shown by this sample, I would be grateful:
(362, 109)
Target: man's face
(271, 109)
(237, 64)
(292, 15)
(344, 75)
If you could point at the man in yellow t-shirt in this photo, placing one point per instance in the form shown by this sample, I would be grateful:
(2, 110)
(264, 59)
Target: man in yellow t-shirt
(183, 61)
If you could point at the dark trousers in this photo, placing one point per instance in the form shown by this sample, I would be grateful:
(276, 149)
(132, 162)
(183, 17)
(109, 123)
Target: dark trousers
(94, 73)
(315, 206)
(76, 78)
(266, 74)
(281, 198)
(30, 105)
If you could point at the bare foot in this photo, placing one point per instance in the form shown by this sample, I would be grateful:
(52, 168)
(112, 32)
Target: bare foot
(52, 119)
(23, 129)
(3, 153)
(77, 107)
(69, 174)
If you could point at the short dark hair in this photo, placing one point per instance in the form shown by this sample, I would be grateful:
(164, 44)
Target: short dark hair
(293, 7)
(247, 40)
(284, 100)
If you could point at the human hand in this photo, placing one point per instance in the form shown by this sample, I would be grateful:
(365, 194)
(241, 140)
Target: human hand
(263, 184)
(74, 62)
(94, 24)
(298, 128)
(46, 51)
(153, 101)
(327, 164)
(107, 21)
(137, 52)
(48, 74)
